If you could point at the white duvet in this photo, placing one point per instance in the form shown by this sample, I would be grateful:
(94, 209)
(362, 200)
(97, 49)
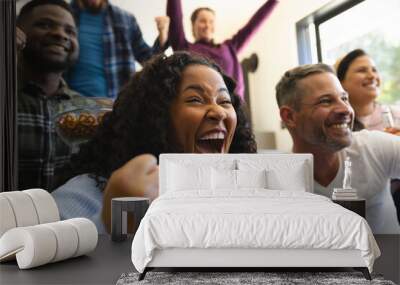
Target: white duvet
(250, 218)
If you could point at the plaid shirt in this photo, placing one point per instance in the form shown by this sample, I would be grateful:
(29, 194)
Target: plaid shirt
(123, 44)
(43, 158)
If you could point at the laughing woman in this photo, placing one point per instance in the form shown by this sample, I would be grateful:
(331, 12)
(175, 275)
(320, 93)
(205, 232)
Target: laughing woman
(360, 78)
(177, 104)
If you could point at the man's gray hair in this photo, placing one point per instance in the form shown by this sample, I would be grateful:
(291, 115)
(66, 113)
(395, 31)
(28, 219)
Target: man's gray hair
(287, 92)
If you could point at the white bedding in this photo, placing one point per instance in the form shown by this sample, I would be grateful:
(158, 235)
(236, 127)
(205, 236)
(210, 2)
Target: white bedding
(252, 218)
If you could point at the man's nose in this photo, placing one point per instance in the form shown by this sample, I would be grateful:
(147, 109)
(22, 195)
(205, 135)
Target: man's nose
(344, 107)
(59, 32)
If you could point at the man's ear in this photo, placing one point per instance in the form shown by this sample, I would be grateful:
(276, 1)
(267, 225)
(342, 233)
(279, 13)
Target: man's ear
(21, 25)
(288, 116)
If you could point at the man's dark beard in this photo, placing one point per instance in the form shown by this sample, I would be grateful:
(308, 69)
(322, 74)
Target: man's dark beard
(38, 60)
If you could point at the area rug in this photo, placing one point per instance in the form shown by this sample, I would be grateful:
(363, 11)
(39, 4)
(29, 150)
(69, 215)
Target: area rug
(268, 278)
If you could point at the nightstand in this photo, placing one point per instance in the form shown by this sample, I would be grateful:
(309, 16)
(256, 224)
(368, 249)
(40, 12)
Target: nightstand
(120, 207)
(356, 205)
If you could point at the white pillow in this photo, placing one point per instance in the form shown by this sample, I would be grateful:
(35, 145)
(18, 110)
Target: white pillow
(223, 179)
(288, 174)
(293, 180)
(251, 178)
(188, 177)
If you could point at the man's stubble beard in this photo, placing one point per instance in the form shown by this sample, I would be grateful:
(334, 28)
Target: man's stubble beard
(320, 138)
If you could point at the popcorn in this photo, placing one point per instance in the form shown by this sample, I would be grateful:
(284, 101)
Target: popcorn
(79, 126)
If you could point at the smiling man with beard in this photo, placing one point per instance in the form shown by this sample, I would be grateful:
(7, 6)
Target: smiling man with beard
(316, 110)
(47, 43)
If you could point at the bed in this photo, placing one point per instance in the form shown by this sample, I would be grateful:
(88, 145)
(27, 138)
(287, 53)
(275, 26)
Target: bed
(247, 211)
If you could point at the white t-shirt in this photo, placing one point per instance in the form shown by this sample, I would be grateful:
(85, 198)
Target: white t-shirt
(375, 158)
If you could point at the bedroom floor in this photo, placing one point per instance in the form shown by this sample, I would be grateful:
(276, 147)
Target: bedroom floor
(106, 264)
(389, 262)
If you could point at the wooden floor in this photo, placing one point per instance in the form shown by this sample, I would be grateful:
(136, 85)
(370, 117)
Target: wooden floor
(110, 259)
(389, 262)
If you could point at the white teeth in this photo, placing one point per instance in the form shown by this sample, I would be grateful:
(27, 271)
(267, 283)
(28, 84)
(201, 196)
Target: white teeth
(371, 84)
(217, 135)
(58, 47)
(340, 126)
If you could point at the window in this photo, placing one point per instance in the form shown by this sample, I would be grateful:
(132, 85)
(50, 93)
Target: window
(342, 26)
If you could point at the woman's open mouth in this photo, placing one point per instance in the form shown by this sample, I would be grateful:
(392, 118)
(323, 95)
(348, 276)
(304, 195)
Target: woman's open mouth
(212, 142)
(210, 146)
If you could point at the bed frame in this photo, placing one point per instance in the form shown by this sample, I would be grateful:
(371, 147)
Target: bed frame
(247, 259)
(260, 259)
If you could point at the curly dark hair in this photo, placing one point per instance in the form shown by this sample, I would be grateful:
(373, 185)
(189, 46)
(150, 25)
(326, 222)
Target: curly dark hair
(140, 120)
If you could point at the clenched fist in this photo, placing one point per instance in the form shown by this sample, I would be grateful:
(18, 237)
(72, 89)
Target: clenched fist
(162, 27)
(137, 178)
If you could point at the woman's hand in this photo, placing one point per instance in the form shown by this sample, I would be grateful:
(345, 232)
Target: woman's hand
(137, 178)
(162, 27)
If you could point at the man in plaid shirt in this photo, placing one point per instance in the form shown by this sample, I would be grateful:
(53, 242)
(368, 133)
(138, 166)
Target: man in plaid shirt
(110, 42)
(47, 46)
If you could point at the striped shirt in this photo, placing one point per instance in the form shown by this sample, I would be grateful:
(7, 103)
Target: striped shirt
(123, 44)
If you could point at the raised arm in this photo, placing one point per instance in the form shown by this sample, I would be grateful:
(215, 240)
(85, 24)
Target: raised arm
(162, 23)
(141, 50)
(176, 33)
(244, 34)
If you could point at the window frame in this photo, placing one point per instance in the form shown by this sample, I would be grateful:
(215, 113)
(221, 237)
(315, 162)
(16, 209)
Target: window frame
(304, 26)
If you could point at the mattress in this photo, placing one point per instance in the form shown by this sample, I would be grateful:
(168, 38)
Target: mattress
(254, 218)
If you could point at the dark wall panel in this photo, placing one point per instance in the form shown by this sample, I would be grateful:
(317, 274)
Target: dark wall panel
(8, 100)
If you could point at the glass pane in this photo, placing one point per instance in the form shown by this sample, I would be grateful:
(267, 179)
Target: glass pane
(372, 25)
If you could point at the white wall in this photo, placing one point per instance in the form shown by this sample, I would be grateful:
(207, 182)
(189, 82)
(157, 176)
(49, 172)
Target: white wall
(275, 44)
(276, 47)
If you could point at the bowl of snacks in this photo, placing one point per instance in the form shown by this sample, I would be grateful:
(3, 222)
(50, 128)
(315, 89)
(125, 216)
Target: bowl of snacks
(79, 125)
